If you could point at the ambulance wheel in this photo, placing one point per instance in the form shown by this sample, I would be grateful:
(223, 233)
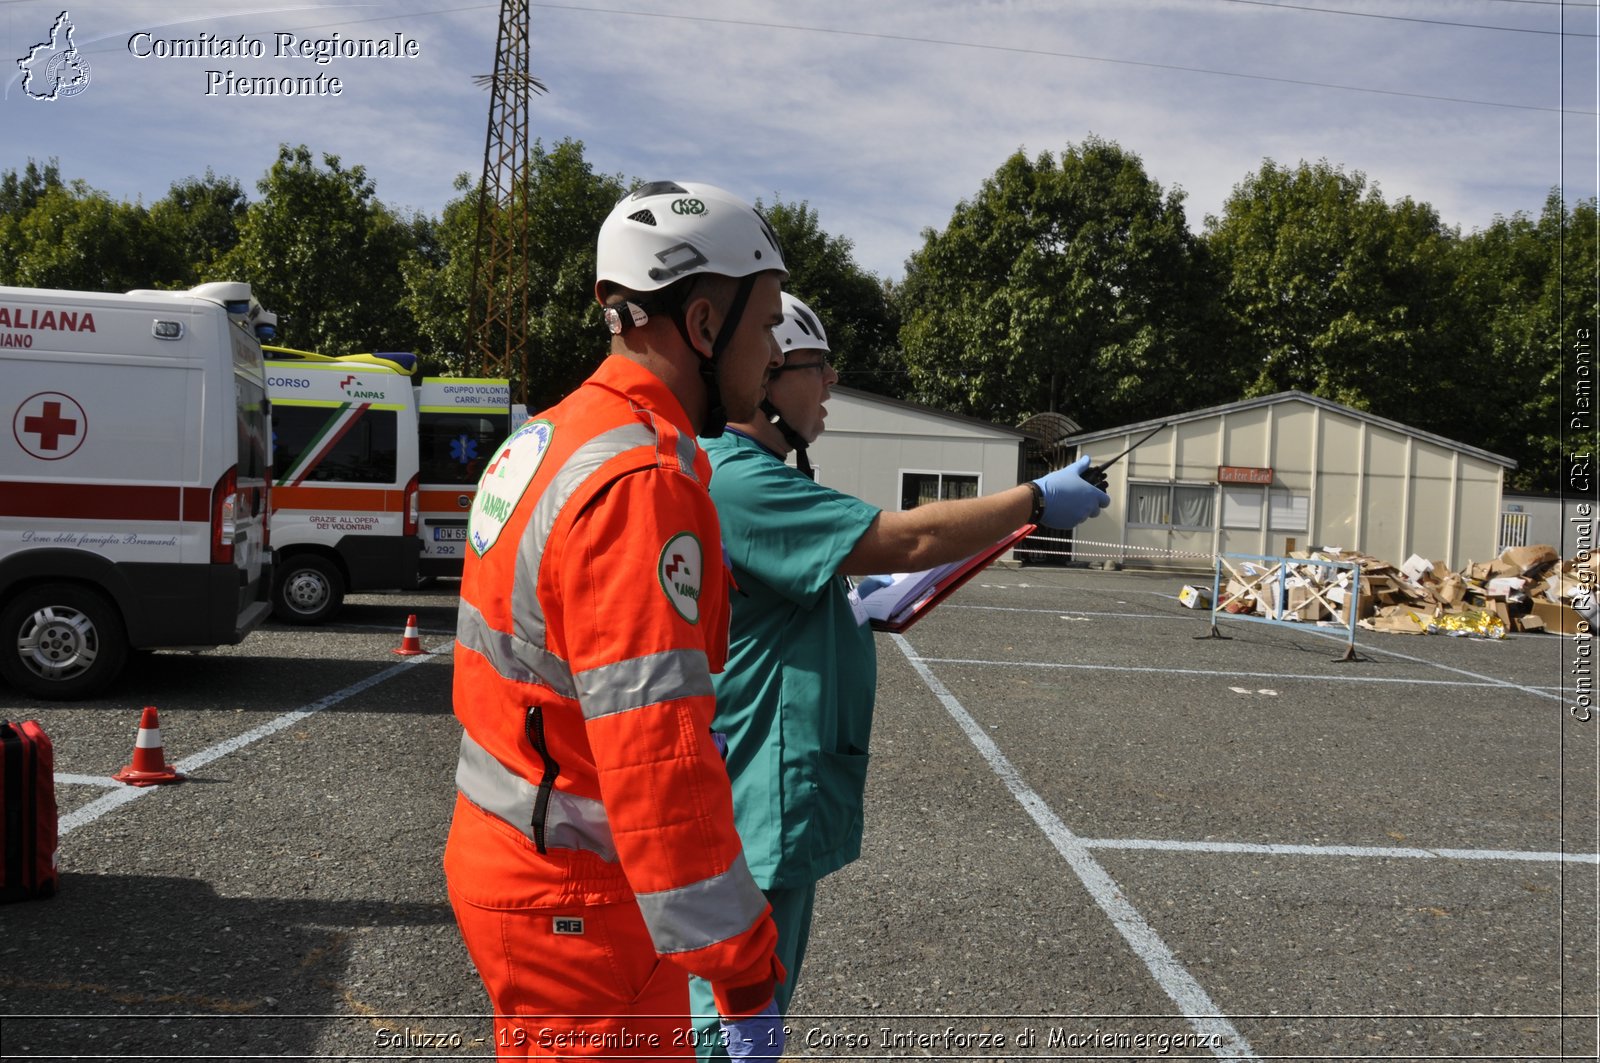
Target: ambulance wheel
(306, 589)
(59, 641)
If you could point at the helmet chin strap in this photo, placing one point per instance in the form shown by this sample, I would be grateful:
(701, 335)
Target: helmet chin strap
(717, 413)
(790, 436)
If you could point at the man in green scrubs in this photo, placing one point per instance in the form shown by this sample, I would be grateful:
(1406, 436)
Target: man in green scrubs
(795, 700)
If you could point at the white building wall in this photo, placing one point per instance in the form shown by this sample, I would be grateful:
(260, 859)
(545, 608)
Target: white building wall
(869, 442)
(1354, 484)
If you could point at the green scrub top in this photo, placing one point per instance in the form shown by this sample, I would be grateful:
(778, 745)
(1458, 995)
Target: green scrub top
(796, 697)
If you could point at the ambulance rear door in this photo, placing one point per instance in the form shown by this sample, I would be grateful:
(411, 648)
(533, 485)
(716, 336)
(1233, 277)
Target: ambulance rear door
(460, 421)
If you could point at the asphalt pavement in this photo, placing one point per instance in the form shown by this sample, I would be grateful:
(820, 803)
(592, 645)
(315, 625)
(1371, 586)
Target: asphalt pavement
(1089, 834)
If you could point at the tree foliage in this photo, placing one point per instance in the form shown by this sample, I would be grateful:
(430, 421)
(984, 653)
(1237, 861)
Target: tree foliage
(565, 201)
(854, 305)
(197, 223)
(1070, 285)
(1332, 291)
(1527, 284)
(323, 253)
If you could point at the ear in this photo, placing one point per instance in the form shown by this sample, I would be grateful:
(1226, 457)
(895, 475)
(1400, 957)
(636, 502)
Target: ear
(700, 321)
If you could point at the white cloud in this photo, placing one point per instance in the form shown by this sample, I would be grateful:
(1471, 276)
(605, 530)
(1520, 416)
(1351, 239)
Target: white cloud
(877, 124)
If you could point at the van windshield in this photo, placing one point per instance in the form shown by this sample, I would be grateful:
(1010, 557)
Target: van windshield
(454, 447)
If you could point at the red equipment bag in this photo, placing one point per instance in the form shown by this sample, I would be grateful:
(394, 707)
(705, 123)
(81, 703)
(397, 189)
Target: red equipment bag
(28, 822)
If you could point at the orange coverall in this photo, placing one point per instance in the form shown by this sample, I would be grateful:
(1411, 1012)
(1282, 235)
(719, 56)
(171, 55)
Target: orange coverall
(592, 860)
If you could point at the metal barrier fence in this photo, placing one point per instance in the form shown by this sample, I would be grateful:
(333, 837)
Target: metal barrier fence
(1269, 579)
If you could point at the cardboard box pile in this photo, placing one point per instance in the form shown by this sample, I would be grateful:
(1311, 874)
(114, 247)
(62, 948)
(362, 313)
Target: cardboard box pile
(1527, 588)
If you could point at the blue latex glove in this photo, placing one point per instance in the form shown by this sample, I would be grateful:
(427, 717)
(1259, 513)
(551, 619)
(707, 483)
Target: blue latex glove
(1069, 499)
(867, 584)
(758, 1038)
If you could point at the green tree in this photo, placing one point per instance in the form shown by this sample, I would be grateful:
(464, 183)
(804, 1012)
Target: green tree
(1332, 291)
(565, 202)
(1527, 286)
(19, 192)
(75, 237)
(197, 223)
(325, 255)
(1070, 285)
(854, 304)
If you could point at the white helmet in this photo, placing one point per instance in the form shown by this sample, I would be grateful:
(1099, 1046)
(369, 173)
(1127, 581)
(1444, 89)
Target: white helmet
(801, 329)
(665, 230)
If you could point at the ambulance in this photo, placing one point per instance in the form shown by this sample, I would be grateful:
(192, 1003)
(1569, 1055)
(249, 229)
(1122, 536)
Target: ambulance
(345, 483)
(133, 480)
(460, 421)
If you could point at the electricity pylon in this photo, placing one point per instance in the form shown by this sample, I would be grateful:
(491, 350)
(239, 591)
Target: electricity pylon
(497, 316)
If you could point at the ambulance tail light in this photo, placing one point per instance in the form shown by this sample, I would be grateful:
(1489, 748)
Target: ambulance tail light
(413, 507)
(224, 503)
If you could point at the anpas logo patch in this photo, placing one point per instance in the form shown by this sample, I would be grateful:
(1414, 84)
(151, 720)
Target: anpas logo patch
(504, 482)
(680, 569)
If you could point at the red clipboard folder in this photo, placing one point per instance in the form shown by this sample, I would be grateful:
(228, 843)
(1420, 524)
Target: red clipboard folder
(949, 579)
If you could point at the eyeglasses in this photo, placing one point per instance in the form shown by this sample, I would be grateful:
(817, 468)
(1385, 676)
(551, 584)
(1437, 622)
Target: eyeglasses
(821, 367)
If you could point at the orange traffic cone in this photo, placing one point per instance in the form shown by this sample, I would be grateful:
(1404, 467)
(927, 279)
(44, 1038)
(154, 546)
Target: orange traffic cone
(410, 644)
(149, 767)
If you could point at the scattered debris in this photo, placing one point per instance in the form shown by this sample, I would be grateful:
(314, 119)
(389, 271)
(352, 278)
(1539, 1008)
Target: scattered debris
(1526, 588)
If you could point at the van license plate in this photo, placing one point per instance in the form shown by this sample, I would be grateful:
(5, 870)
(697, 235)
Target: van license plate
(450, 535)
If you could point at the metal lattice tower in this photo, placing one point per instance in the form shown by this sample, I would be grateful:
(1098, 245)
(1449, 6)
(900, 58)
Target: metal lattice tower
(497, 318)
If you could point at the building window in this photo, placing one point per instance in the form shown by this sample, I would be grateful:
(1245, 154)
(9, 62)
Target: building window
(1171, 505)
(917, 488)
(1289, 512)
(1241, 507)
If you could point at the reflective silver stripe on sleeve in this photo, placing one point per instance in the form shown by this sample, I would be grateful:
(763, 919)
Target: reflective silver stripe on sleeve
(571, 821)
(686, 449)
(511, 657)
(704, 913)
(641, 681)
(527, 616)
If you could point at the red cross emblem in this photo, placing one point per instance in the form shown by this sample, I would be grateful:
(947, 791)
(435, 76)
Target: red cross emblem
(50, 425)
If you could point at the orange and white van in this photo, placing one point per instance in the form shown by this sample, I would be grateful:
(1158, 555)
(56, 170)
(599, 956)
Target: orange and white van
(344, 469)
(133, 479)
(460, 421)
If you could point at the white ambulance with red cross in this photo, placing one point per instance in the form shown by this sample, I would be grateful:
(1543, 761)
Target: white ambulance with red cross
(460, 422)
(133, 479)
(344, 468)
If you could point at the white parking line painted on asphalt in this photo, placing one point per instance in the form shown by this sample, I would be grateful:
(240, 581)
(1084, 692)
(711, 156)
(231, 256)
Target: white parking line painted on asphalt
(87, 780)
(1260, 849)
(1484, 681)
(1308, 629)
(1193, 1002)
(187, 766)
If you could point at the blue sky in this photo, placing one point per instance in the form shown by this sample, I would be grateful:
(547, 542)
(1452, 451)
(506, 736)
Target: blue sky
(882, 115)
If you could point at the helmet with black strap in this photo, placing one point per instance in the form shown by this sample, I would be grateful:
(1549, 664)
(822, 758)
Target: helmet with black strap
(801, 330)
(658, 240)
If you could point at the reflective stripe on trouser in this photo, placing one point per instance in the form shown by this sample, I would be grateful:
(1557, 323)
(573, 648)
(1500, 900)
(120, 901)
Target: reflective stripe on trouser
(562, 950)
(791, 912)
(719, 907)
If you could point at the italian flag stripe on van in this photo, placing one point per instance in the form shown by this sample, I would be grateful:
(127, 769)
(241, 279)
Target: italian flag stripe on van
(333, 429)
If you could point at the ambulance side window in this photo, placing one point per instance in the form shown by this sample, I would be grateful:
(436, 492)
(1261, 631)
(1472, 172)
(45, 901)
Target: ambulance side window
(318, 444)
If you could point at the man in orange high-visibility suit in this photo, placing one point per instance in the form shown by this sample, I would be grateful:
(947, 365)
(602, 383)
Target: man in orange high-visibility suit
(592, 861)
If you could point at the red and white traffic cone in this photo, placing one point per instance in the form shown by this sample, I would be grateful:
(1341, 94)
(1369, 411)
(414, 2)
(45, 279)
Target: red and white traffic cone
(149, 766)
(410, 643)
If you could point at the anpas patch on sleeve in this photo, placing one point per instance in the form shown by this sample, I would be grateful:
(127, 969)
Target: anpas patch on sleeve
(680, 572)
(505, 480)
